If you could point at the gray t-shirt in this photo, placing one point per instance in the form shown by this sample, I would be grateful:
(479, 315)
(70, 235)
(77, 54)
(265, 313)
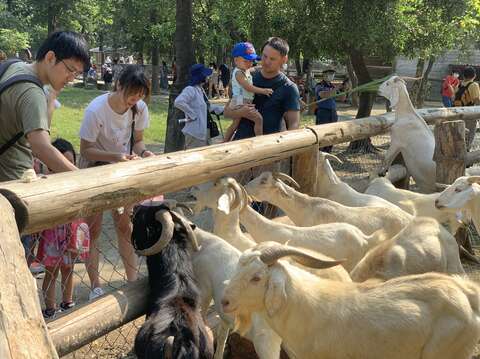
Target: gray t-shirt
(23, 107)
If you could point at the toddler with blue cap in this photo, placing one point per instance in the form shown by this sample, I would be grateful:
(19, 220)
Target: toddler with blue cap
(243, 90)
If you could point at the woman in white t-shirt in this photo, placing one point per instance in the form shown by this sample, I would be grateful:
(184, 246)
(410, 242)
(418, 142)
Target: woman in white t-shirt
(106, 137)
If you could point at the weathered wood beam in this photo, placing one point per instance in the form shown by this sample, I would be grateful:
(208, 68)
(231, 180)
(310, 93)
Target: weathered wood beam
(95, 319)
(97, 189)
(450, 151)
(23, 333)
(304, 170)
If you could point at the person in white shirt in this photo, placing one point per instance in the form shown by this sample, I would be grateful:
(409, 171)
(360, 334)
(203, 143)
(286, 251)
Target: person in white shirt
(112, 131)
(194, 103)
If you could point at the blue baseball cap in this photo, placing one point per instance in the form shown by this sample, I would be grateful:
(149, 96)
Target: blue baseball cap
(245, 50)
(198, 74)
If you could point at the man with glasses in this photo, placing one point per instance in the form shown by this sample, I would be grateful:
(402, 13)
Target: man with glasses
(25, 113)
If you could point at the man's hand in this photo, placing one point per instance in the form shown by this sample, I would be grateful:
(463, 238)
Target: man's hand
(42, 149)
(246, 111)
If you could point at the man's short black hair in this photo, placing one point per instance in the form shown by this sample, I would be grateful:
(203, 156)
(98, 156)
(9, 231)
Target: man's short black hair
(469, 72)
(278, 44)
(65, 45)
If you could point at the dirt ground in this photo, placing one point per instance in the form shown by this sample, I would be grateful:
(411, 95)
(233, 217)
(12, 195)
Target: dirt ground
(118, 344)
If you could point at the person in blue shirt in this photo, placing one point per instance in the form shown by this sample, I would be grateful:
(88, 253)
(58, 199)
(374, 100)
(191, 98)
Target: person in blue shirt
(326, 111)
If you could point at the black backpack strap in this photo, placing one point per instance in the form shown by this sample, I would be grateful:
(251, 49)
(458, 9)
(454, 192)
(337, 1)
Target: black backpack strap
(6, 84)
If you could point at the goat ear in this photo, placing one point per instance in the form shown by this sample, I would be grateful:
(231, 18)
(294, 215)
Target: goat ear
(275, 297)
(223, 203)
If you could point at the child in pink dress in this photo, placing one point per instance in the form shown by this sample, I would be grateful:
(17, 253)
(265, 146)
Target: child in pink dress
(58, 250)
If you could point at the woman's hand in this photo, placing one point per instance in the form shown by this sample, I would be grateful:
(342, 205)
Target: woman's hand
(147, 153)
(122, 157)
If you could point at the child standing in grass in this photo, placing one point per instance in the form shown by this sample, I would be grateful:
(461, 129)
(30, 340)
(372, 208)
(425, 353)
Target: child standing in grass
(59, 248)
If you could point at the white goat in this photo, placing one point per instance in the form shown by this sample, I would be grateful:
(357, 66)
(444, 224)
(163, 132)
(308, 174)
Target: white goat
(306, 211)
(417, 204)
(331, 187)
(422, 246)
(410, 136)
(225, 197)
(336, 240)
(463, 198)
(214, 265)
(426, 316)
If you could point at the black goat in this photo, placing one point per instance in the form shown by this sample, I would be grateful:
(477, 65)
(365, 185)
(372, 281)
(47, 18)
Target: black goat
(174, 327)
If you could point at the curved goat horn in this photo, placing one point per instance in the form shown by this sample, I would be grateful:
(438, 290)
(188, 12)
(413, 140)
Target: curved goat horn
(187, 208)
(188, 229)
(271, 255)
(239, 199)
(165, 218)
(286, 178)
(473, 179)
(329, 156)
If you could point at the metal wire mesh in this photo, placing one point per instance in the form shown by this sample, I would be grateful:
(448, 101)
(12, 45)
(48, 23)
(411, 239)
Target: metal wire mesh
(119, 343)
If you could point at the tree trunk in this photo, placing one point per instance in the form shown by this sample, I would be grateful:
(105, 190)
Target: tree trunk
(422, 87)
(184, 55)
(415, 87)
(51, 19)
(155, 56)
(23, 333)
(366, 99)
(298, 65)
(354, 81)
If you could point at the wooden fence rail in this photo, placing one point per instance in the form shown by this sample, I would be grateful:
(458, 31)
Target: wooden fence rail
(60, 198)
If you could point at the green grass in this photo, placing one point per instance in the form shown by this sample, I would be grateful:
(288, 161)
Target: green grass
(68, 118)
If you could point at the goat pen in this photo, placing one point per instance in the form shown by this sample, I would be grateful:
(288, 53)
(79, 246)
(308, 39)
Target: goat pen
(41, 204)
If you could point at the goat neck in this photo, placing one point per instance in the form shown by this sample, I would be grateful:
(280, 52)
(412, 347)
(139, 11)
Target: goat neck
(227, 226)
(405, 110)
(260, 227)
(290, 202)
(327, 179)
(305, 299)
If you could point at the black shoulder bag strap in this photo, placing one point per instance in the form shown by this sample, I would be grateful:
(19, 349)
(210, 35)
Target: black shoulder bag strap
(6, 84)
(132, 136)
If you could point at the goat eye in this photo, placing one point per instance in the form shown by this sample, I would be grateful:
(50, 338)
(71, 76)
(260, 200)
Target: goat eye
(255, 279)
(458, 190)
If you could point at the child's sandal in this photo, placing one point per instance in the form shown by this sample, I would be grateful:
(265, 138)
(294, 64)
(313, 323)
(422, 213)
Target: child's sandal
(66, 306)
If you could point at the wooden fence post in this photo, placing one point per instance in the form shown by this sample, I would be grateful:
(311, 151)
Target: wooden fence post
(450, 151)
(23, 333)
(450, 156)
(304, 170)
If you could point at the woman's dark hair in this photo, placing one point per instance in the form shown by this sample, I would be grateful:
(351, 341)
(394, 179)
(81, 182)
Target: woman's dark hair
(213, 64)
(65, 45)
(469, 72)
(64, 146)
(278, 44)
(132, 80)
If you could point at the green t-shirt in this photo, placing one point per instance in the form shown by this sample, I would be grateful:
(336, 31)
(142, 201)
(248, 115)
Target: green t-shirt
(23, 107)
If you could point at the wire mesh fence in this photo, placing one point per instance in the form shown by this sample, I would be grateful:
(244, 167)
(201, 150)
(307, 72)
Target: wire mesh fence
(355, 170)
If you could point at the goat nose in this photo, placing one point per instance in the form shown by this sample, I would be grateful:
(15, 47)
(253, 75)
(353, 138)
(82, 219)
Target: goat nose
(225, 302)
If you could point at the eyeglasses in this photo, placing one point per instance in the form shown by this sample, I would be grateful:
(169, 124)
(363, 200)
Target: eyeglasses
(73, 71)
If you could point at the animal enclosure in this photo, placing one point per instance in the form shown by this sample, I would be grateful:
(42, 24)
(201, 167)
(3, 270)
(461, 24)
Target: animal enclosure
(113, 186)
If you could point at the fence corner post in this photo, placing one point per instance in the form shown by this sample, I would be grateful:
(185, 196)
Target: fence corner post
(450, 151)
(304, 170)
(23, 333)
(450, 157)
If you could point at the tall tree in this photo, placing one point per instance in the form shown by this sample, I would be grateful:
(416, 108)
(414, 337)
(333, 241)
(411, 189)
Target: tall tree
(185, 58)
